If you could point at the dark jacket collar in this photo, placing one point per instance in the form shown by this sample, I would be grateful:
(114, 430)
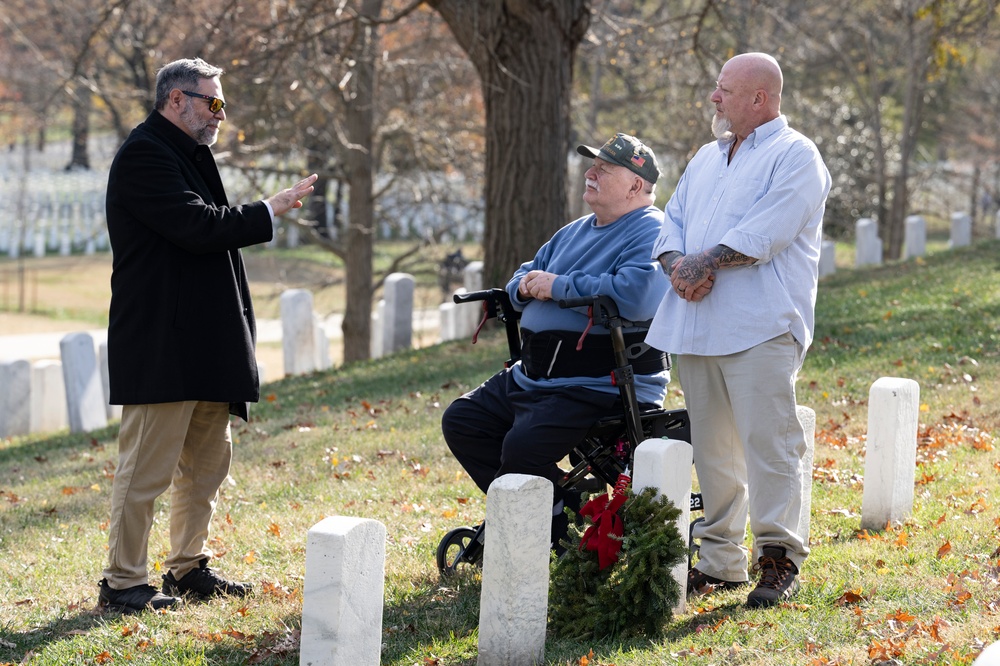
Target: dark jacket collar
(158, 123)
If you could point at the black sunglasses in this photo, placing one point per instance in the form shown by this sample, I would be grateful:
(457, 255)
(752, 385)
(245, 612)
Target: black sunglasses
(214, 103)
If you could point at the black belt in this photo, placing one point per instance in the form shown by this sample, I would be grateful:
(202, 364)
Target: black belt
(550, 354)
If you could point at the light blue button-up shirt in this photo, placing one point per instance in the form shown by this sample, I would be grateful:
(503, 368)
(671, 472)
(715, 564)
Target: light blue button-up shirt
(767, 203)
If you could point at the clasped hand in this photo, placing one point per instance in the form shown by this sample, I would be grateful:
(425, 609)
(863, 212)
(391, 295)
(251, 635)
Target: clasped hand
(692, 277)
(537, 284)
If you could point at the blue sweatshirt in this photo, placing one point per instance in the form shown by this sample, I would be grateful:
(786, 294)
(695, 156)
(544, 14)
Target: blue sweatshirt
(613, 260)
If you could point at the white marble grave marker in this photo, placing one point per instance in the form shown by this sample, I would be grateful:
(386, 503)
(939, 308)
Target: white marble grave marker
(891, 452)
(915, 237)
(989, 657)
(397, 320)
(827, 258)
(84, 393)
(113, 411)
(448, 326)
(15, 398)
(961, 230)
(515, 586)
(342, 593)
(868, 246)
(665, 464)
(298, 336)
(807, 419)
(48, 397)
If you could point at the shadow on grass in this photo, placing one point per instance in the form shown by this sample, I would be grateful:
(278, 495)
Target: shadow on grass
(131, 642)
(433, 618)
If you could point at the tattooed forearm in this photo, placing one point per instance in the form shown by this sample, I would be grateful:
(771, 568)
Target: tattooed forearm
(667, 260)
(726, 257)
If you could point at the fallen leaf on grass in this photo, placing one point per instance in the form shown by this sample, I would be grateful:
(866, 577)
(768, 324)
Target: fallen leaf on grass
(944, 549)
(851, 597)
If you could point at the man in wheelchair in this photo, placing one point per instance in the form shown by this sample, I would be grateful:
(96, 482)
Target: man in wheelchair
(528, 417)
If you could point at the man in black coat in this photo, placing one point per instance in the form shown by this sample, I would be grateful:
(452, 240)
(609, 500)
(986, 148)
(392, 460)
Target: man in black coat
(181, 334)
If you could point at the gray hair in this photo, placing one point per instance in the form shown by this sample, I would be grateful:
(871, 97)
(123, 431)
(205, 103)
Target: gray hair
(184, 74)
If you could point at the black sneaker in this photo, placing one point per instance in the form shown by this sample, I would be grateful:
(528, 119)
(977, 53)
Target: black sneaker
(132, 599)
(700, 583)
(778, 580)
(203, 583)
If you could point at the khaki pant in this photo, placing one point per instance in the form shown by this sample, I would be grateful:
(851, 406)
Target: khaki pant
(185, 446)
(748, 449)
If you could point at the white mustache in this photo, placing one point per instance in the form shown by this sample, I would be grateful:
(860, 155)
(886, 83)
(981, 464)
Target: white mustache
(591, 183)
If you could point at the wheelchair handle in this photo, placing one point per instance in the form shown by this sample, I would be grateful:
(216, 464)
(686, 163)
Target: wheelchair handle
(604, 305)
(496, 305)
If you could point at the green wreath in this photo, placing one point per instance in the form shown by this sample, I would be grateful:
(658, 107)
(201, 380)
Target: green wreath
(633, 596)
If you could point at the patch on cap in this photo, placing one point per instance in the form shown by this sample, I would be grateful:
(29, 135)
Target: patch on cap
(629, 152)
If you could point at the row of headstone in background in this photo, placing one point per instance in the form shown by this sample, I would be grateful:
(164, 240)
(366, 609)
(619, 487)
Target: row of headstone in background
(868, 244)
(305, 346)
(49, 395)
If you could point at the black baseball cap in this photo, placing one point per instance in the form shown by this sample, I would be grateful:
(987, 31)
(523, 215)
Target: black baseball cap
(629, 152)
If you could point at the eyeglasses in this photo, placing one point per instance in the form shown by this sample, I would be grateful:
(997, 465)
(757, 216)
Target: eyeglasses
(214, 103)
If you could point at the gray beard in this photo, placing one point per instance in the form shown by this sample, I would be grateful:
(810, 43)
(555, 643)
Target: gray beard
(203, 134)
(722, 128)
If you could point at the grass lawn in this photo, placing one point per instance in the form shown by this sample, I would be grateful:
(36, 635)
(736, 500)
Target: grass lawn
(365, 441)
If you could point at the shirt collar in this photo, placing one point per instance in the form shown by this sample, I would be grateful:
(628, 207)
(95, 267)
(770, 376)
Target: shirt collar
(759, 135)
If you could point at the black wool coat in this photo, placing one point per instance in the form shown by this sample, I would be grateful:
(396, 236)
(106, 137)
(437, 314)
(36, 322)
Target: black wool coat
(181, 324)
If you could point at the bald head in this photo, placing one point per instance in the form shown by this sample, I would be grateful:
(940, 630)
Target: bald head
(748, 92)
(759, 71)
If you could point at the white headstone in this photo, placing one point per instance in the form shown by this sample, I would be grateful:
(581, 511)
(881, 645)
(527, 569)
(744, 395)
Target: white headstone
(298, 335)
(891, 452)
(961, 230)
(342, 593)
(378, 334)
(84, 394)
(15, 398)
(868, 246)
(665, 464)
(113, 411)
(989, 657)
(915, 237)
(397, 320)
(448, 314)
(997, 228)
(322, 347)
(48, 397)
(515, 585)
(807, 418)
(472, 278)
(827, 258)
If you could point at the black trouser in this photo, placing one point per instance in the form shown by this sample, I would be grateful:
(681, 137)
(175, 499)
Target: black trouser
(499, 428)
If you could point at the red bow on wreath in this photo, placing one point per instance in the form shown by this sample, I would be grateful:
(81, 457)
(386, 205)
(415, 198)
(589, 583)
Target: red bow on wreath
(605, 535)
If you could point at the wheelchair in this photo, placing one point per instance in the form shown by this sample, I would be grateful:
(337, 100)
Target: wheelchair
(607, 449)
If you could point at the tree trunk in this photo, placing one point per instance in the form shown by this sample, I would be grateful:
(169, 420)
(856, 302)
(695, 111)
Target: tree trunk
(82, 104)
(523, 51)
(358, 165)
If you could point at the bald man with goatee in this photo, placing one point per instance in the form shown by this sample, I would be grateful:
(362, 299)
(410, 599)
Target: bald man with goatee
(741, 242)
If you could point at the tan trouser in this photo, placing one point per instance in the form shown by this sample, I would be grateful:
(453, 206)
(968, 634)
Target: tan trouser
(748, 450)
(186, 444)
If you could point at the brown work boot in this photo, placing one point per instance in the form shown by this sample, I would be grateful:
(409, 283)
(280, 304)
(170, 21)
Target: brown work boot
(700, 583)
(778, 580)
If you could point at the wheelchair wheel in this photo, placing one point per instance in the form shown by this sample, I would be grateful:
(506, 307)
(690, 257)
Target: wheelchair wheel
(459, 546)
